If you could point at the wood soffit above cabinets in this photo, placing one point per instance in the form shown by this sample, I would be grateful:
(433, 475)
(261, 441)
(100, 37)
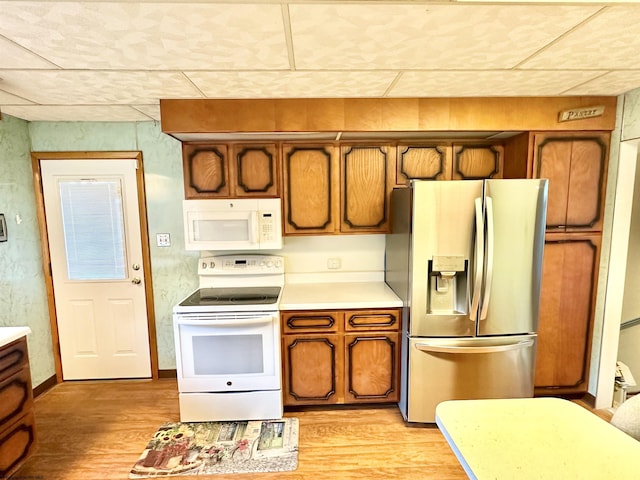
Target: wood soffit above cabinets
(332, 119)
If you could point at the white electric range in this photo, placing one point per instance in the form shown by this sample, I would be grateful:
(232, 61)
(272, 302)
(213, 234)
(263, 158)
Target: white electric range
(227, 339)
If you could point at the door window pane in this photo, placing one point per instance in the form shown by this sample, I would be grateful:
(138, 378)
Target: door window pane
(93, 224)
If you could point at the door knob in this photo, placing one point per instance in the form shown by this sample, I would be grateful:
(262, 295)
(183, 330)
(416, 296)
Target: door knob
(136, 281)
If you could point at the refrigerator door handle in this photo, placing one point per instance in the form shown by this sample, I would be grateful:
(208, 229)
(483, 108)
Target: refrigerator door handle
(489, 260)
(436, 348)
(478, 263)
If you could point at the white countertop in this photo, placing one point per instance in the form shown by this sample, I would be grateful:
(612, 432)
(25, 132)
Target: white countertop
(9, 334)
(535, 438)
(338, 295)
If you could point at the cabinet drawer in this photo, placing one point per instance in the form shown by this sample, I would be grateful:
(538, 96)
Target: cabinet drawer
(16, 443)
(307, 322)
(362, 320)
(16, 396)
(13, 357)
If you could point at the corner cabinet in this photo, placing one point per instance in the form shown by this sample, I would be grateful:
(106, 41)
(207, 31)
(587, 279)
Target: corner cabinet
(17, 424)
(341, 356)
(229, 170)
(332, 189)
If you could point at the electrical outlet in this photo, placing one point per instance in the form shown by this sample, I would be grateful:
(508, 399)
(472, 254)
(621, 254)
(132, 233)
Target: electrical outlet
(334, 263)
(163, 240)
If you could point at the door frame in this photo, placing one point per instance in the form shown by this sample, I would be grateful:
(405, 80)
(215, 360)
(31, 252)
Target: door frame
(36, 158)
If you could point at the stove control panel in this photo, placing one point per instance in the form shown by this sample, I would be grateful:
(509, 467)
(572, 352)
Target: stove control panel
(241, 264)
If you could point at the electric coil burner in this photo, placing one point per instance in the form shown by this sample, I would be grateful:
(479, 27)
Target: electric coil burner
(227, 337)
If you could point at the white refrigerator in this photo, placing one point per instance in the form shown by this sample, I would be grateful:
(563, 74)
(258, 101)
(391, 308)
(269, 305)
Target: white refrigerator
(466, 259)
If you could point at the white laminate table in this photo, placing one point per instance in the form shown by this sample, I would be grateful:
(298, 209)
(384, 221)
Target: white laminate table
(536, 438)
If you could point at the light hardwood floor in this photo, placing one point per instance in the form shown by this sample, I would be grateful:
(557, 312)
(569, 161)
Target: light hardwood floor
(97, 430)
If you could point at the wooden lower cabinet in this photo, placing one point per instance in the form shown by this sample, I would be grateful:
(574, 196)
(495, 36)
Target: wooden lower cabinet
(17, 426)
(341, 356)
(371, 367)
(569, 281)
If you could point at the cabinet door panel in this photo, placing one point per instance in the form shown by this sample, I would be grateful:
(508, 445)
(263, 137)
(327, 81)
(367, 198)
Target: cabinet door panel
(364, 189)
(553, 162)
(472, 162)
(256, 171)
(310, 174)
(13, 358)
(423, 162)
(312, 369)
(205, 171)
(586, 190)
(16, 397)
(566, 312)
(16, 444)
(371, 367)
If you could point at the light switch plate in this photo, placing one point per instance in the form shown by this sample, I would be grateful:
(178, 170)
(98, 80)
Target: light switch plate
(163, 240)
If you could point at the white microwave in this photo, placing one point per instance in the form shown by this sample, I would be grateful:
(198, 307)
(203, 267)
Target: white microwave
(232, 224)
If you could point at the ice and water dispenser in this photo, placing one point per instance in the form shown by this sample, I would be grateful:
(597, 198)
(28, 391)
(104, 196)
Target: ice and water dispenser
(447, 285)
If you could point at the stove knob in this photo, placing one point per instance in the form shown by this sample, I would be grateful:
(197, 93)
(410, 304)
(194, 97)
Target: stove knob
(204, 265)
(269, 264)
(212, 264)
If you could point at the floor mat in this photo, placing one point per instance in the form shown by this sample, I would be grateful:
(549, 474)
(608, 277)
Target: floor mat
(205, 448)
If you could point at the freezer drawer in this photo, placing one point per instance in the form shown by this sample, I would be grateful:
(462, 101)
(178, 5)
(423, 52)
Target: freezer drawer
(456, 369)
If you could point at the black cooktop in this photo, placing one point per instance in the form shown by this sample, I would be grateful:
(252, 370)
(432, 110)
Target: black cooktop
(232, 296)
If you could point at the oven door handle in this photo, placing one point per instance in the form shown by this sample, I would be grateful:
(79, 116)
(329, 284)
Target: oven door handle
(224, 323)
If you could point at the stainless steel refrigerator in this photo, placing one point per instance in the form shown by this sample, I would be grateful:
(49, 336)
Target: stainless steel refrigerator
(466, 259)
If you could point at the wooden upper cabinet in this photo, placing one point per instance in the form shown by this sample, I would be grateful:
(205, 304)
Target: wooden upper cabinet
(448, 161)
(206, 170)
(576, 166)
(311, 176)
(256, 171)
(366, 185)
(230, 170)
(477, 161)
(423, 162)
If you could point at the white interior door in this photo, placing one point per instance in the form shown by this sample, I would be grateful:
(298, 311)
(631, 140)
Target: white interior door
(93, 226)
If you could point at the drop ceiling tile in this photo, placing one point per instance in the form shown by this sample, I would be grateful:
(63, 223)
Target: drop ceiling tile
(488, 83)
(608, 41)
(14, 56)
(76, 113)
(415, 36)
(149, 36)
(292, 84)
(60, 87)
(616, 83)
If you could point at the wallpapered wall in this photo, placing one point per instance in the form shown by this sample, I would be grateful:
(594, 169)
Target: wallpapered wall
(23, 298)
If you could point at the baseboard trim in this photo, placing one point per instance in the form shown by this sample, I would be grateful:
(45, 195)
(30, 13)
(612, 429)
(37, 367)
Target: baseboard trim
(48, 384)
(171, 373)
(589, 399)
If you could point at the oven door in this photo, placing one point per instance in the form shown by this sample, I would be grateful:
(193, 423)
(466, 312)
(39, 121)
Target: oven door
(227, 352)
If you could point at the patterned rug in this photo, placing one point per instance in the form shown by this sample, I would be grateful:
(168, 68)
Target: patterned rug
(206, 448)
